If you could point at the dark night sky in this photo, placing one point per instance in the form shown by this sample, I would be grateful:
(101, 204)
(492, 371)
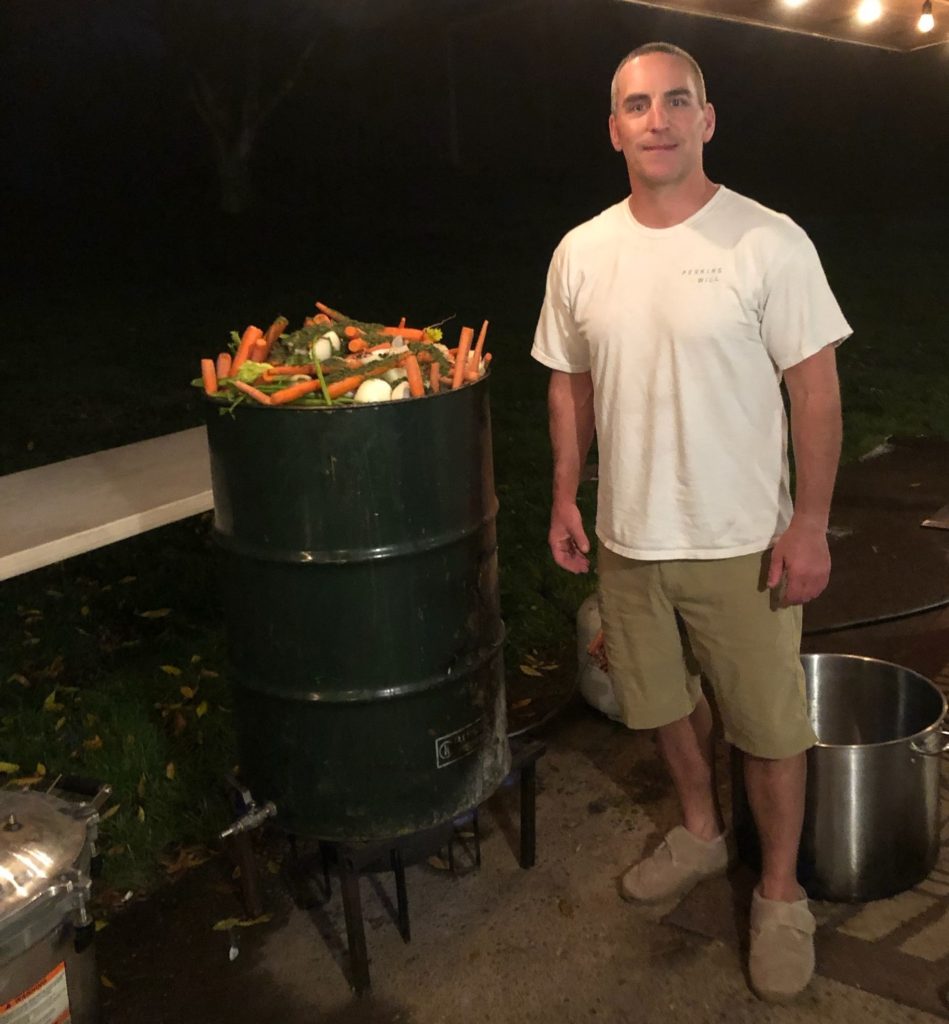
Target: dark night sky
(102, 132)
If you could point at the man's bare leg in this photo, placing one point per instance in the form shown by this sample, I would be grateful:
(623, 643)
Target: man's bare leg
(688, 748)
(776, 791)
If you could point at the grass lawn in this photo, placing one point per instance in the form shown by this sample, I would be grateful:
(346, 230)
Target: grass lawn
(113, 664)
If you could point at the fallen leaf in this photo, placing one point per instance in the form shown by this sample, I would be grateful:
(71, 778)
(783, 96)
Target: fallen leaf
(128, 579)
(8, 767)
(209, 673)
(51, 704)
(529, 670)
(187, 692)
(84, 611)
(105, 981)
(171, 670)
(185, 858)
(100, 924)
(60, 722)
(114, 851)
(18, 678)
(273, 867)
(140, 814)
(27, 780)
(114, 809)
(236, 922)
(93, 744)
(31, 641)
(40, 769)
(518, 704)
(155, 613)
(53, 593)
(438, 863)
(565, 908)
(195, 659)
(140, 788)
(202, 709)
(179, 723)
(170, 770)
(90, 720)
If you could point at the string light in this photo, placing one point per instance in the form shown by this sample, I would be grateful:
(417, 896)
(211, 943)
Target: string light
(869, 11)
(794, 3)
(926, 21)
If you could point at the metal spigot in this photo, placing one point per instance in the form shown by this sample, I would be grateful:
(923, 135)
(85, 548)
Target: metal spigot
(253, 817)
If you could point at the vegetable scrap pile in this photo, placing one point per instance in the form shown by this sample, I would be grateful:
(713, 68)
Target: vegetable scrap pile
(333, 359)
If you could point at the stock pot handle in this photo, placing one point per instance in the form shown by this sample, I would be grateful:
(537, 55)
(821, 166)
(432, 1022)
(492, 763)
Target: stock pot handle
(941, 749)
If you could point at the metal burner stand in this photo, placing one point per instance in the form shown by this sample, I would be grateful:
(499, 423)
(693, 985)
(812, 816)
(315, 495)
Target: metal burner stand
(353, 858)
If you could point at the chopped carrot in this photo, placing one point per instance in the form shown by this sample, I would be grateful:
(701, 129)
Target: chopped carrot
(320, 318)
(401, 322)
(310, 321)
(249, 338)
(480, 345)
(223, 368)
(209, 376)
(288, 370)
(340, 387)
(414, 374)
(461, 360)
(352, 331)
(352, 382)
(409, 333)
(331, 313)
(258, 396)
(295, 391)
(272, 333)
(435, 377)
(258, 354)
(357, 344)
(487, 359)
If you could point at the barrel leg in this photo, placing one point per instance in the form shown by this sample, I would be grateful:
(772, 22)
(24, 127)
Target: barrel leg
(355, 932)
(528, 814)
(242, 853)
(402, 898)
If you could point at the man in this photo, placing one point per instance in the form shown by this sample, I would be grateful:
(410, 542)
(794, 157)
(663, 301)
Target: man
(668, 323)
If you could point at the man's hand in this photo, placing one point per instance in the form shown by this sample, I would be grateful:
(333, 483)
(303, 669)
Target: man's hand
(567, 539)
(801, 560)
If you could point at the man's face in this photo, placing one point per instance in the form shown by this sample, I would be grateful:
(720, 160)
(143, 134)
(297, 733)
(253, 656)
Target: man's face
(659, 125)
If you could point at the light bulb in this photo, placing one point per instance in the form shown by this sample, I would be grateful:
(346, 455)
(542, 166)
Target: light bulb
(794, 3)
(869, 11)
(926, 21)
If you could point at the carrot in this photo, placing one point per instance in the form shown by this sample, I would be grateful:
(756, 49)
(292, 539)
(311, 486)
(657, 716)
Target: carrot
(209, 376)
(248, 339)
(310, 321)
(340, 387)
(352, 331)
(357, 344)
(320, 318)
(294, 392)
(461, 360)
(223, 368)
(331, 313)
(258, 396)
(480, 345)
(288, 370)
(414, 374)
(401, 322)
(258, 353)
(272, 334)
(409, 333)
(352, 382)
(487, 359)
(435, 377)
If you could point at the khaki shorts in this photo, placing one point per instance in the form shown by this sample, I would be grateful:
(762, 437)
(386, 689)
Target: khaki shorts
(666, 623)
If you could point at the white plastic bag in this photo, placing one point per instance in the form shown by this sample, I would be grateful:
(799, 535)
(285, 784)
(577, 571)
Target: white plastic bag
(595, 684)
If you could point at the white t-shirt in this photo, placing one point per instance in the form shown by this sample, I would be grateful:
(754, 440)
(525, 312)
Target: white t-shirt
(686, 331)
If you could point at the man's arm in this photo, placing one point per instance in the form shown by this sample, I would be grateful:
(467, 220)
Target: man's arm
(801, 553)
(570, 403)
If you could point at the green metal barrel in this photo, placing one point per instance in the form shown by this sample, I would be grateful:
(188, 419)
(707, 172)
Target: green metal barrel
(359, 574)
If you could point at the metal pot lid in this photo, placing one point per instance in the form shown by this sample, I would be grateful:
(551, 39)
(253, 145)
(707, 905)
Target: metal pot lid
(39, 839)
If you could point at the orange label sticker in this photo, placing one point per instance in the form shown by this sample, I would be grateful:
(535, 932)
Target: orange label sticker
(44, 1002)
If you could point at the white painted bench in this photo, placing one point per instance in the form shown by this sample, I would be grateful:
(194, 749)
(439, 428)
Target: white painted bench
(63, 509)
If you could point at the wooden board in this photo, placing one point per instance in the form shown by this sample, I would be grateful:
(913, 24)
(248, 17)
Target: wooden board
(65, 508)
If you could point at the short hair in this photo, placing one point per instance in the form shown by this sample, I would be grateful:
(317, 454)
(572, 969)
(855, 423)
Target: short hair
(673, 51)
